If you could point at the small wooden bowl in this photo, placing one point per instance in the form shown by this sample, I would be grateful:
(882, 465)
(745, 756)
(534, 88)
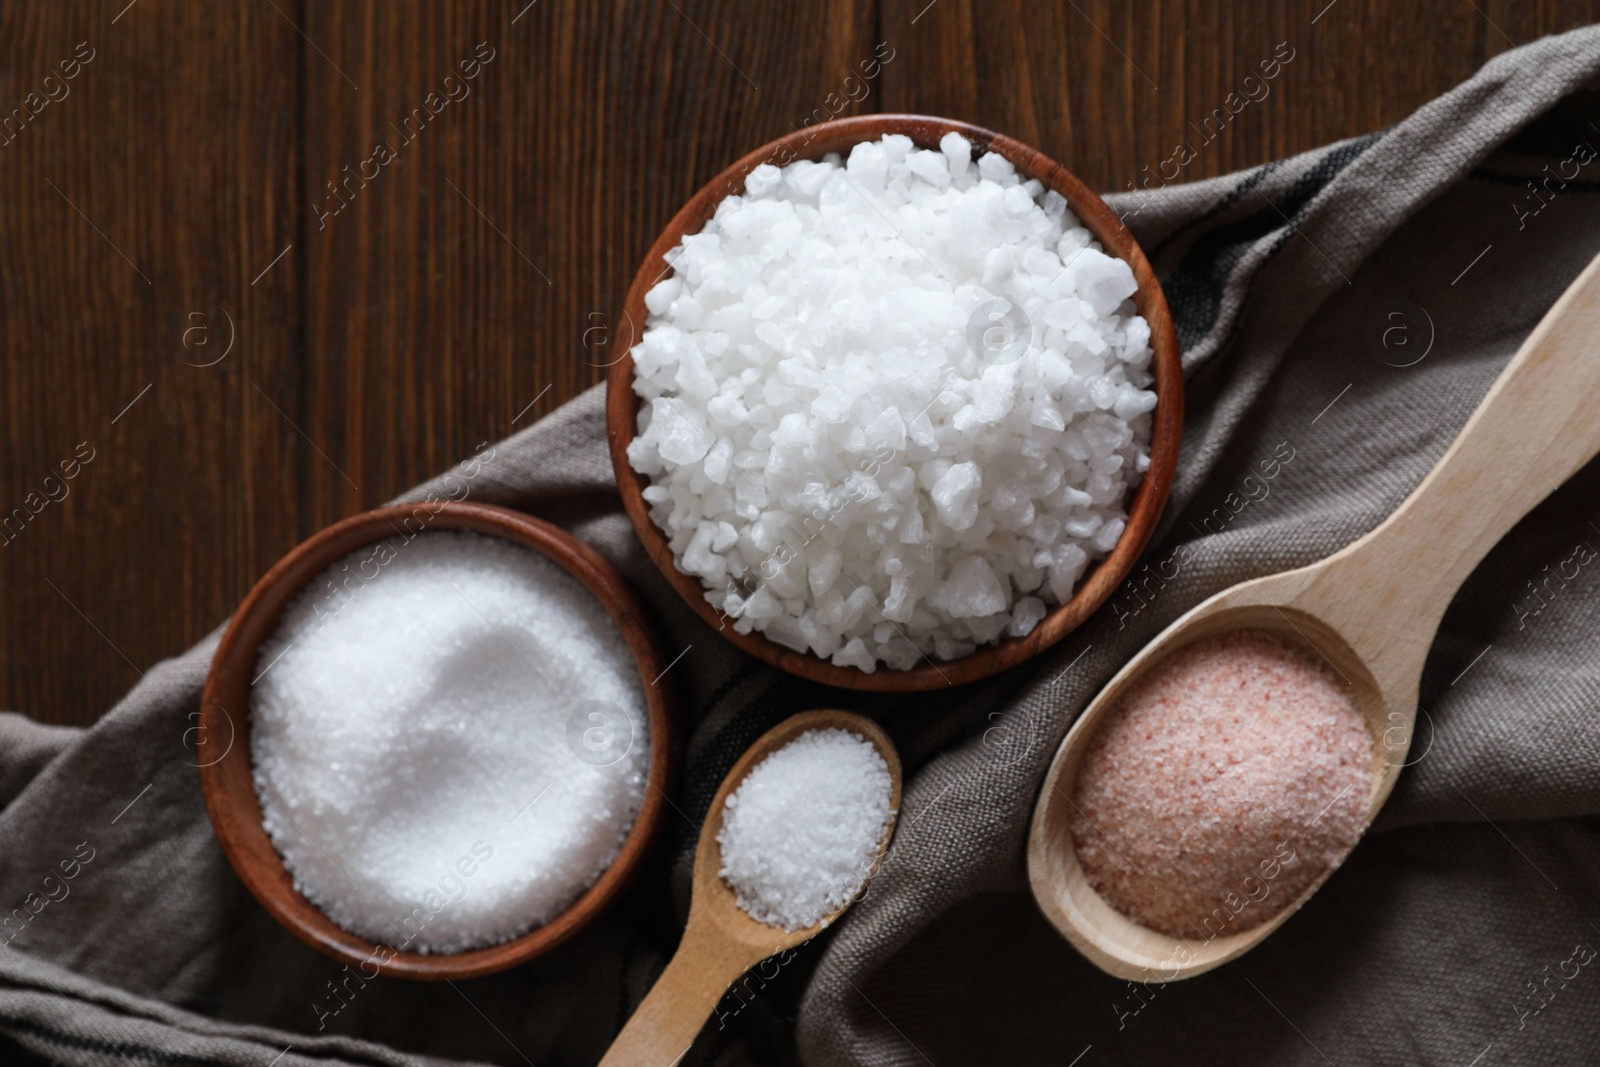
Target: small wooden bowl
(223, 749)
(839, 135)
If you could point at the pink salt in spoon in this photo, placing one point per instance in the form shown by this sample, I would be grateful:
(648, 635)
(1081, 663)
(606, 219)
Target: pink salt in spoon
(1369, 610)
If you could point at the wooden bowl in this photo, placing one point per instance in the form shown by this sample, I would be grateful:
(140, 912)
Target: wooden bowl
(223, 749)
(1097, 585)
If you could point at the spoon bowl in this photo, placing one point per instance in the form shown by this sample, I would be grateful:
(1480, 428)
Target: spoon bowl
(1369, 611)
(721, 941)
(1113, 941)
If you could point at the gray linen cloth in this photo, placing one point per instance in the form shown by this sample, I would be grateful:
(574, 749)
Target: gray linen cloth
(1341, 314)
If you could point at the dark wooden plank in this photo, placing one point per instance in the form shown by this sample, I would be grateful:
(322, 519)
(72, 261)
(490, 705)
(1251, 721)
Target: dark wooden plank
(155, 188)
(1112, 89)
(464, 280)
(457, 287)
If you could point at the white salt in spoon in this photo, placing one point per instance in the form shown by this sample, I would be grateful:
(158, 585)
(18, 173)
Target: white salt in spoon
(1371, 610)
(721, 941)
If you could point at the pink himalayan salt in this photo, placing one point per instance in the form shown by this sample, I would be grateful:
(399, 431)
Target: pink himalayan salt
(1222, 785)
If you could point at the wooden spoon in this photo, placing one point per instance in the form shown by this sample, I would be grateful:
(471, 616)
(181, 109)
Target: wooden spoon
(721, 941)
(1371, 610)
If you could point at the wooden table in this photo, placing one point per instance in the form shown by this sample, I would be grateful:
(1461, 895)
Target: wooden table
(231, 321)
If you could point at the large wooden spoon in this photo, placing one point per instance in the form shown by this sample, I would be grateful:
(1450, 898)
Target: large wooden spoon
(721, 941)
(1371, 610)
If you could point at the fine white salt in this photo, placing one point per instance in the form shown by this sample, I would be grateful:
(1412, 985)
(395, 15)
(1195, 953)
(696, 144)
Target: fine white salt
(893, 404)
(800, 835)
(450, 739)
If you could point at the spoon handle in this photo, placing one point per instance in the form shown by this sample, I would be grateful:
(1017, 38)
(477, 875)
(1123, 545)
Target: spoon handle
(1534, 429)
(683, 998)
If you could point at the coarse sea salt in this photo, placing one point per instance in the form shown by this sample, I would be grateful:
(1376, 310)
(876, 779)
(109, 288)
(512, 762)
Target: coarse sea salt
(410, 736)
(1223, 784)
(893, 404)
(801, 833)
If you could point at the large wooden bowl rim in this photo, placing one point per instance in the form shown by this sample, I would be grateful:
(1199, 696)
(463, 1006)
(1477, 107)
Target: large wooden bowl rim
(1097, 585)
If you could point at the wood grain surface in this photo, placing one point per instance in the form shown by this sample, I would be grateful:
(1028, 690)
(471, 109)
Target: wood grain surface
(209, 175)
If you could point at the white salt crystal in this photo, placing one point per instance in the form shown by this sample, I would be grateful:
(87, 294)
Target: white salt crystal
(972, 590)
(662, 294)
(451, 739)
(931, 167)
(868, 163)
(996, 168)
(1103, 281)
(822, 377)
(958, 152)
(955, 495)
(678, 436)
(763, 180)
(800, 834)
(1028, 613)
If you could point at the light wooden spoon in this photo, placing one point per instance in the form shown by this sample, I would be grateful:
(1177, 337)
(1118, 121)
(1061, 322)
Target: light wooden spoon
(1371, 610)
(721, 941)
